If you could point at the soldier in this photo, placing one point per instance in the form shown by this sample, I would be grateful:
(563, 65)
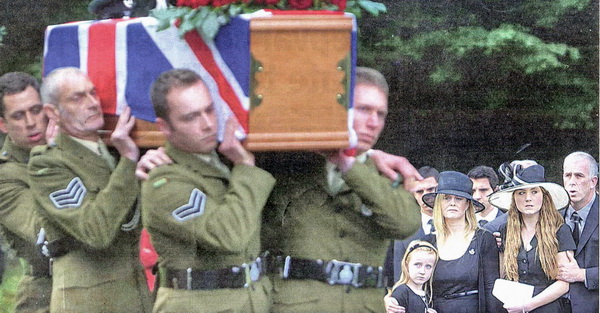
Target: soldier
(89, 200)
(24, 122)
(335, 218)
(204, 218)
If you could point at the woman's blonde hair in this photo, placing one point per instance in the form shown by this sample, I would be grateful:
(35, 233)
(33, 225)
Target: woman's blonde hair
(545, 231)
(441, 228)
(416, 245)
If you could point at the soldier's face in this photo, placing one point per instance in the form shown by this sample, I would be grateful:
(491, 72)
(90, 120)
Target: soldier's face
(370, 111)
(80, 113)
(24, 119)
(192, 125)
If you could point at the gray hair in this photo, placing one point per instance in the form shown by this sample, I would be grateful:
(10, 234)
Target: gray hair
(52, 83)
(580, 155)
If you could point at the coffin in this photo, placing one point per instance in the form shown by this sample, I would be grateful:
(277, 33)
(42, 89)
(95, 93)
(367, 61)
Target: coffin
(287, 78)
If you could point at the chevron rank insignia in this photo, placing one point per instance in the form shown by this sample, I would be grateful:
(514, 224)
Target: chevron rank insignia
(194, 207)
(70, 197)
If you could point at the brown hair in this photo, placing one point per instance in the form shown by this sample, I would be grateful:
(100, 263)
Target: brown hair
(167, 81)
(545, 231)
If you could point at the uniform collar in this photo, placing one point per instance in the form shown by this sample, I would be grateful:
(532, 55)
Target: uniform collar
(193, 161)
(12, 151)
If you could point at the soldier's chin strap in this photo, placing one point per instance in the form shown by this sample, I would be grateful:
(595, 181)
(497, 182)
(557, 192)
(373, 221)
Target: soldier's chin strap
(135, 219)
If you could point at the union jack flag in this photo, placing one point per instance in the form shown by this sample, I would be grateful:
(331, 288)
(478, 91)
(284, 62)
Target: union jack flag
(123, 57)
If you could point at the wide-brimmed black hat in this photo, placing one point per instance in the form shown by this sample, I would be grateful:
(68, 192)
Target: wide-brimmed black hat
(456, 184)
(532, 176)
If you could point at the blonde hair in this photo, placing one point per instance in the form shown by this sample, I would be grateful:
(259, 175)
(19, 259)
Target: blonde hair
(441, 229)
(545, 231)
(417, 245)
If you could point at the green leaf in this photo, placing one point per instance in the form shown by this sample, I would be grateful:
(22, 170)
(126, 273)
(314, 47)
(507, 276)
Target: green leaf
(372, 7)
(210, 25)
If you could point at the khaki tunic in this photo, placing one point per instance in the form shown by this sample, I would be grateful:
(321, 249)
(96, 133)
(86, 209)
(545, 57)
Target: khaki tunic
(20, 222)
(86, 202)
(307, 221)
(220, 230)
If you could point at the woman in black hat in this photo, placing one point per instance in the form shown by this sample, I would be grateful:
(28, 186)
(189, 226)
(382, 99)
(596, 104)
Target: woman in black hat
(535, 238)
(468, 265)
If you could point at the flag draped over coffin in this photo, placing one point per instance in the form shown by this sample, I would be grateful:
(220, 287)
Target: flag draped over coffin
(123, 57)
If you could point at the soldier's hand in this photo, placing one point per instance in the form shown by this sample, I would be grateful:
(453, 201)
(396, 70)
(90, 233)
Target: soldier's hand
(121, 139)
(151, 159)
(51, 131)
(392, 165)
(232, 148)
(341, 159)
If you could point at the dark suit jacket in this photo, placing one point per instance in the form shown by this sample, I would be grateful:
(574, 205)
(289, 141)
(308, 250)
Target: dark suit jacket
(585, 299)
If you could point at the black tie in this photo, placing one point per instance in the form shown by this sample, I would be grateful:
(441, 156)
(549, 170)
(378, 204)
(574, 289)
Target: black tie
(482, 222)
(430, 222)
(575, 218)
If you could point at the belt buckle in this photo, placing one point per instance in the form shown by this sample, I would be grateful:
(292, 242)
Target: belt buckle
(343, 273)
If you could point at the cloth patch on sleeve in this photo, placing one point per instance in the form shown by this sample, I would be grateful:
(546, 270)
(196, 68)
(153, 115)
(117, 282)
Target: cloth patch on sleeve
(194, 207)
(70, 197)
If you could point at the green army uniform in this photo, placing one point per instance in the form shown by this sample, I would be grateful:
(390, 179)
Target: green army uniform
(317, 225)
(20, 223)
(204, 220)
(88, 207)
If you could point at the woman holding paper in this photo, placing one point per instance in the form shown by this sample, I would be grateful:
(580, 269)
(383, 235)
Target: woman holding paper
(535, 239)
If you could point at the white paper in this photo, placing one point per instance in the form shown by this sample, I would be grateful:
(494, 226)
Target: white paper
(512, 291)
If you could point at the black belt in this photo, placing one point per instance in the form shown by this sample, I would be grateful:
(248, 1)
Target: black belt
(461, 294)
(333, 272)
(233, 277)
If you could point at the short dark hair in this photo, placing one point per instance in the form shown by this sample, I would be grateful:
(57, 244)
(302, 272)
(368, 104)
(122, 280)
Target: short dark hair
(161, 87)
(13, 83)
(370, 76)
(428, 171)
(483, 171)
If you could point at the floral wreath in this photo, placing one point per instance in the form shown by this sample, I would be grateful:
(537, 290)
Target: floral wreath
(207, 16)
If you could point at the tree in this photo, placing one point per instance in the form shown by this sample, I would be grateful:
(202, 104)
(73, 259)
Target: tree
(540, 56)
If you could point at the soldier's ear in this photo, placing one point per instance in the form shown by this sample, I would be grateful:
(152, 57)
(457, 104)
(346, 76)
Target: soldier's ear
(51, 111)
(163, 126)
(3, 125)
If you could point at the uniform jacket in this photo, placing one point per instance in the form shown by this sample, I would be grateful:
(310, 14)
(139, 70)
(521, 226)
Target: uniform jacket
(20, 222)
(354, 225)
(19, 216)
(201, 219)
(585, 299)
(86, 202)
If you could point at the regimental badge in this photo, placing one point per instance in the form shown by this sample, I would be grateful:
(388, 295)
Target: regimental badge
(194, 207)
(365, 210)
(70, 197)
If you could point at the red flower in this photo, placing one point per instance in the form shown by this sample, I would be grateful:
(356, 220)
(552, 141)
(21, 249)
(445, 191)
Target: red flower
(340, 4)
(192, 3)
(300, 4)
(266, 2)
(218, 3)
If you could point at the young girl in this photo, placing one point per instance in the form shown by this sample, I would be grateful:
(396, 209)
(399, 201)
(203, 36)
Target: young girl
(413, 290)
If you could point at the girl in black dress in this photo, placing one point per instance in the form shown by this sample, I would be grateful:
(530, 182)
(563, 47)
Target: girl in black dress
(535, 238)
(413, 290)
